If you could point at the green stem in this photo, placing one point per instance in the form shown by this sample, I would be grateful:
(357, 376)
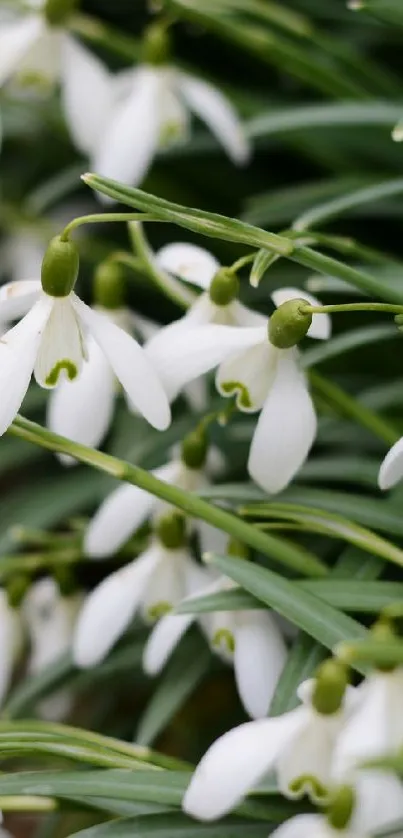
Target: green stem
(281, 551)
(28, 803)
(392, 309)
(350, 407)
(240, 263)
(169, 285)
(102, 217)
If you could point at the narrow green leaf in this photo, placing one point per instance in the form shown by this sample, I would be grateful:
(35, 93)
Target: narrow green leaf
(172, 825)
(311, 614)
(348, 341)
(337, 206)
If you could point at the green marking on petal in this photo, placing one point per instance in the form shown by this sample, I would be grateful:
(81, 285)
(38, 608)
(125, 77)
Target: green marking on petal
(171, 133)
(70, 368)
(160, 609)
(308, 784)
(224, 638)
(231, 388)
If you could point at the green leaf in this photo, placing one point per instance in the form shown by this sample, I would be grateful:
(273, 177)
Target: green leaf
(304, 117)
(183, 674)
(304, 657)
(339, 205)
(348, 341)
(172, 825)
(311, 614)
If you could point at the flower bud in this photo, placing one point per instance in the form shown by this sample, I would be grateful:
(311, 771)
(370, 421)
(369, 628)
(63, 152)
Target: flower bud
(109, 285)
(16, 588)
(330, 686)
(237, 548)
(156, 45)
(59, 267)
(171, 530)
(289, 324)
(194, 449)
(341, 807)
(57, 11)
(224, 288)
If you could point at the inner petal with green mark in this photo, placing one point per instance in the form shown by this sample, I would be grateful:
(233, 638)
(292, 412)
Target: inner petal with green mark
(248, 376)
(224, 641)
(308, 784)
(62, 348)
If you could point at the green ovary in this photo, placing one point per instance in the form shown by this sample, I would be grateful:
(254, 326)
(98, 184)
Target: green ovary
(231, 388)
(70, 368)
(160, 609)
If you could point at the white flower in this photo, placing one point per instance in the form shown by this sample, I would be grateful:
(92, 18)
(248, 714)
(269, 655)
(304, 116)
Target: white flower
(153, 583)
(51, 342)
(50, 620)
(261, 377)
(197, 266)
(120, 122)
(391, 470)
(299, 745)
(127, 507)
(249, 640)
(82, 409)
(29, 46)
(10, 642)
(317, 826)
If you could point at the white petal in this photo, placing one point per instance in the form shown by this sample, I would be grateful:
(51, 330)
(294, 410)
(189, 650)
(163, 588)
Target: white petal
(16, 37)
(130, 365)
(321, 326)
(188, 262)
(109, 609)
(62, 348)
(236, 763)
(168, 584)
(391, 470)
(285, 431)
(18, 350)
(213, 108)
(212, 540)
(308, 756)
(173, 112)
(244, 316)
(249, 376)
(260, 655)
(379, 802)
(87, 95)
(10, 636)
(305, 826)
(197, 395)
(180, 356)
(17, 298)
(120, 515)
(127, 147)
(82, 410)
(163, 639)
(50, 620)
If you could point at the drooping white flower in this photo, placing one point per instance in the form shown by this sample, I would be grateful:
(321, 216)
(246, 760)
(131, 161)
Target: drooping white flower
(128, 507)
(299, 745)
(249, 640)
(317, 826)
(50, 619)
(51, 342)
(153, 584)
(142, 109)
(10, 642)
(261, 376)
(391, 470)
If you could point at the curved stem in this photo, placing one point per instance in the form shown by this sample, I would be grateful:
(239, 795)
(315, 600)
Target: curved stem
(101, 217)
(392, 309)
(275, 548)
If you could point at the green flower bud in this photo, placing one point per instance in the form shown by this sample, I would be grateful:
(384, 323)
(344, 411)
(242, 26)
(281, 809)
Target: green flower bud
(330, 686)
(289, 324)
(171, 530)
(224, 288)
(109, 285)
(57, 11)
(16, 588)
(341, 808)
(194, 449)
(59, 267)
(383, 632)
(238, 548)
(156, 45)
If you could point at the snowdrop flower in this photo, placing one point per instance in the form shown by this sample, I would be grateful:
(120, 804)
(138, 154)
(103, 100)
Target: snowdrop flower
(30, 43)
(51, 341)
(120, 122)
(263, 373)
(10, 642)
(128, 507)
(50, 619)
(153, 583)
(299, 745)
(248, 640)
